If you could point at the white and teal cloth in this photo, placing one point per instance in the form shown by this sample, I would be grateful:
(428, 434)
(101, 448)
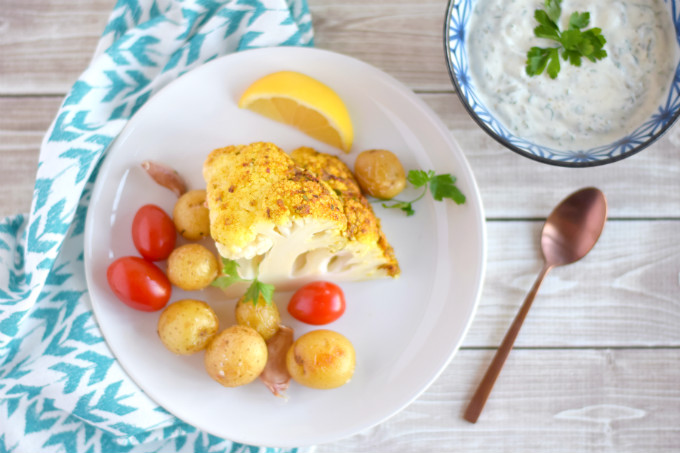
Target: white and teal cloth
(61, 390)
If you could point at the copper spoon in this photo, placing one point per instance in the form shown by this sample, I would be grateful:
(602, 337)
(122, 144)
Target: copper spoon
(569, 233)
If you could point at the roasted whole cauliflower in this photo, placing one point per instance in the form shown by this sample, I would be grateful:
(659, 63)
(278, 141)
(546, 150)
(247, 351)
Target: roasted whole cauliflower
(292, 219)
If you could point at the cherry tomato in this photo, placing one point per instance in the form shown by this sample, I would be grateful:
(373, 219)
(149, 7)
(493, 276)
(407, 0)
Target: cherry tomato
(153, 233)
(317, 303)
(139, 283)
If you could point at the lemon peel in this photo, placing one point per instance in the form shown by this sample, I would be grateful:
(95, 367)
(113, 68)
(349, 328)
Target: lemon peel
(303, 102)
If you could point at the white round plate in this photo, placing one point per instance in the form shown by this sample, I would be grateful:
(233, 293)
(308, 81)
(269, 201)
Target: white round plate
(405, 331)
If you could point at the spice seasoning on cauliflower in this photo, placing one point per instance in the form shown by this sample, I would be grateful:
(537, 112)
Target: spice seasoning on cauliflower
(366, 241)
(287, 222)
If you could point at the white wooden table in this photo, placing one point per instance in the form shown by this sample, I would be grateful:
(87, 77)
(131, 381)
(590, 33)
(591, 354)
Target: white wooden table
(596, 367)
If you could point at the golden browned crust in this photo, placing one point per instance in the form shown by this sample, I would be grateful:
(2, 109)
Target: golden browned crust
(250, 185)
(362, 224)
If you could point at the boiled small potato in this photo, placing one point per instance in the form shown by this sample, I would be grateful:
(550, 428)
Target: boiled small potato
(321, 359)
(191, 216)
(192, 267)
(236, 356)
(262, 316)
(380, 173)
(187, 326)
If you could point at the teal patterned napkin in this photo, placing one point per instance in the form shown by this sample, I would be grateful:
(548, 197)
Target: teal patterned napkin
(60, 387)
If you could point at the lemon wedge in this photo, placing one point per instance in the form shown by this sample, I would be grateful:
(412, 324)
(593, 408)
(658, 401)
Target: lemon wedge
(303, 102)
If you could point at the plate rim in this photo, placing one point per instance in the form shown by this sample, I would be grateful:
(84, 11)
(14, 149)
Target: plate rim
(479, 219)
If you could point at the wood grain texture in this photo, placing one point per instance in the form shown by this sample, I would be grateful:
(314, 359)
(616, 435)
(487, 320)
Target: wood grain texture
(624, 293)
(558, 401)
(45, 45)
(402, 37)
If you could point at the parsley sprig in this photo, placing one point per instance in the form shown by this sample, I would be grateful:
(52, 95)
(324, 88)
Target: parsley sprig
(231, 276)
(575, 43)
(442, 186)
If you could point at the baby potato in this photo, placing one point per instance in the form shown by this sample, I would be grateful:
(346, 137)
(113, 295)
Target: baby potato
(186, 326)
(236, 356)
(380, 173)
(191, 216)
(261, 316)
(321, 359)
(192, 267)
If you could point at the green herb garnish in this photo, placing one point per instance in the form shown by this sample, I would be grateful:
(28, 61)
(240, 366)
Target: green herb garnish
(575, 43)
(441, 186)
(231, 276)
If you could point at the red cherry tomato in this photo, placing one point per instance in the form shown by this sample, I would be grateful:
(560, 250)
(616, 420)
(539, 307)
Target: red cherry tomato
(139, 283)
(317, 303)
(153, 233)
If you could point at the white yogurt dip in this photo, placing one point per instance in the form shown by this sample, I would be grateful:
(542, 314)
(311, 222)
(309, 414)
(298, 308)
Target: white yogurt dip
(585, 106)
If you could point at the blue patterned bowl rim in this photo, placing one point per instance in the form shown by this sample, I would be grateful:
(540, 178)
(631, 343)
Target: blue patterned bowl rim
(457, 16)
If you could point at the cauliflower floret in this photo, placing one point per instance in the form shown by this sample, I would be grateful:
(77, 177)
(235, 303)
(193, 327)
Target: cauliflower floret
(367, 253)
(282, 222)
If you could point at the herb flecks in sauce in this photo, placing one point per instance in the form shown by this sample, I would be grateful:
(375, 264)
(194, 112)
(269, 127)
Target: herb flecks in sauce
(574, 43)
(585, 107)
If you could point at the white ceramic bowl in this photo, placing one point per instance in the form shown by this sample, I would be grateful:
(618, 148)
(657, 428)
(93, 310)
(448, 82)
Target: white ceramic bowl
(629, 141)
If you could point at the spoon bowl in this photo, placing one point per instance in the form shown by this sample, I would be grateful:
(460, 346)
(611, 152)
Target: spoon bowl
(569, 233)
(574, 226)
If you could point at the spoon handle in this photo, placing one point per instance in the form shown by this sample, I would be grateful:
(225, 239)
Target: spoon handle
(478, 400)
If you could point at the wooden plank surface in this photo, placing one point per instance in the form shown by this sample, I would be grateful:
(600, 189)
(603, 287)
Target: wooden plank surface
(557, 401)
(45, 45)
(625, 293)
(597, 363)
(402, 37)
